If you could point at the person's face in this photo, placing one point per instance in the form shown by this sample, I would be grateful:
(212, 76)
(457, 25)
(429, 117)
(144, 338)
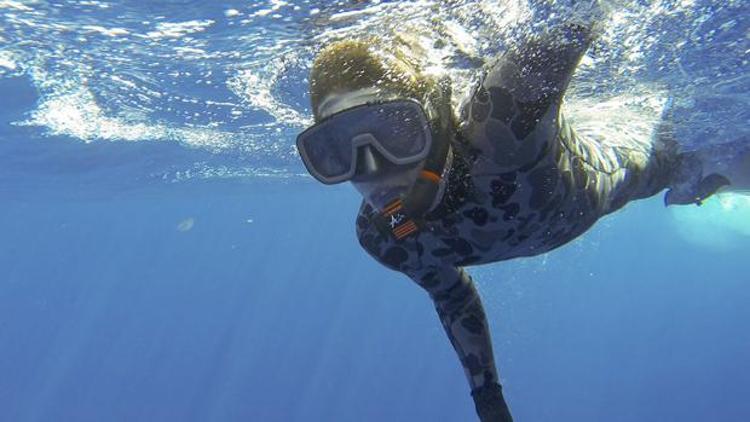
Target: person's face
(376, 178)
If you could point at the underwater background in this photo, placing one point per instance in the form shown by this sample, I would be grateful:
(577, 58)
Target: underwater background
(164, 257)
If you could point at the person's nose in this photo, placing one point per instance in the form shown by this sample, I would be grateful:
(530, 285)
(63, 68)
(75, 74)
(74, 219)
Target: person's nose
(369, 161)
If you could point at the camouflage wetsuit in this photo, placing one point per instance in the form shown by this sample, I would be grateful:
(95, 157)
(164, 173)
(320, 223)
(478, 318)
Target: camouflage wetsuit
(522, 183)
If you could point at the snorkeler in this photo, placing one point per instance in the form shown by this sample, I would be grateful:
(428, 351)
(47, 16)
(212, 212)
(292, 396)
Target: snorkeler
(508, 178)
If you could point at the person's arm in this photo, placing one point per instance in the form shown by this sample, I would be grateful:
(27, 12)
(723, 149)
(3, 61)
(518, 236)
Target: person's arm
(451, 289)
(538, 71)
(458, 305)
(462, 315)
(511, 115)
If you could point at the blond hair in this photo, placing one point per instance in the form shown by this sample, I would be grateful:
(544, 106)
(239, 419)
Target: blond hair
(350, 65)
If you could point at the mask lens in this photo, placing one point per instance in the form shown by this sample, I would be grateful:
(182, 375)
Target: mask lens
(327, 150)
(402, 130)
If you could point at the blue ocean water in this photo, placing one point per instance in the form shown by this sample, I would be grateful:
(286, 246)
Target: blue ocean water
(164, 258)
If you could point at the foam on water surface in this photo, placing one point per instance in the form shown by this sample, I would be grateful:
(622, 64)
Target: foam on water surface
(232, 79)
(721, 223)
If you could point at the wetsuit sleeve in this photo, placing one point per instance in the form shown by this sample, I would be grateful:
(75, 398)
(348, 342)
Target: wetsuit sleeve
(451, 289)
(522, 89)
(462, 315)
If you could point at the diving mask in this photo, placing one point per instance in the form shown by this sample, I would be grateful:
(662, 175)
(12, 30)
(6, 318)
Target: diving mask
(397, 130)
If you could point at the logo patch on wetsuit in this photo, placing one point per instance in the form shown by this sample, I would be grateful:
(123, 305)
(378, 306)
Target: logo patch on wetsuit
(398, 222)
